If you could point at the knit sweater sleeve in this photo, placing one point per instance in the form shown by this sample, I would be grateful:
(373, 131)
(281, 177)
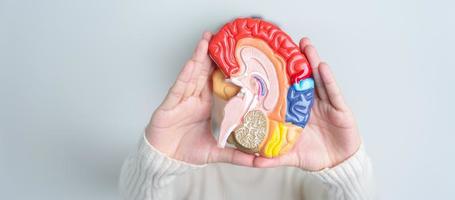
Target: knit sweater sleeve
(351, 179)
(146, 173)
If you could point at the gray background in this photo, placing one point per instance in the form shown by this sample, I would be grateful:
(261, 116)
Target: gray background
(79, 80)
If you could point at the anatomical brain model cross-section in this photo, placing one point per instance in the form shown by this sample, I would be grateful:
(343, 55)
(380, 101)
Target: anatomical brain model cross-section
(267, 83)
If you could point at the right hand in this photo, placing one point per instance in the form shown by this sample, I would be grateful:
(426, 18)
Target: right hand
(181, 126)
(331, 136)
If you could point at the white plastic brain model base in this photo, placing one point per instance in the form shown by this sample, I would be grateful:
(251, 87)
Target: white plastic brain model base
(267, 83)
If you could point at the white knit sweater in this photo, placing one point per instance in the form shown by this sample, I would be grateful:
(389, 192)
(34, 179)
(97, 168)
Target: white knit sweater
(149, 174)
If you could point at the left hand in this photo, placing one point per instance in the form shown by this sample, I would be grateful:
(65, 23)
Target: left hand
(181, 126)
(331, 135)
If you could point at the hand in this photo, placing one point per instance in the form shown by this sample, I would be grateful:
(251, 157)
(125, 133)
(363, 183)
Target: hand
(331, 135)
(181, 127)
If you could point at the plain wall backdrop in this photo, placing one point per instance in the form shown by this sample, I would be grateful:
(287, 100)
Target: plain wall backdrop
(80, 79)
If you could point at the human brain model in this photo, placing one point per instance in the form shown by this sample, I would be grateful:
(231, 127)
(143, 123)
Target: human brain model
(267, 83)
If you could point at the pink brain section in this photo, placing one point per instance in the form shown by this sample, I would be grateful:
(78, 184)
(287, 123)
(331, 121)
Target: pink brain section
(222, 47)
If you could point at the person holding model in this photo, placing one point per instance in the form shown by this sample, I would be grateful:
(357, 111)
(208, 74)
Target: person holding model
(285, 131)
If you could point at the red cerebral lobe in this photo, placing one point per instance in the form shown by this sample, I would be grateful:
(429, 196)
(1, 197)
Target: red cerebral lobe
(223, 44)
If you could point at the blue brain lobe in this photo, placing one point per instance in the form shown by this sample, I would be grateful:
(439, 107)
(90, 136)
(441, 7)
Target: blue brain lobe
(299, 102)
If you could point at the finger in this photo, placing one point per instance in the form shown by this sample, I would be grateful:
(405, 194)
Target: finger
(204, 79)
(207, 35)
(284, 160)
(199, 61)
(261, 162)
(200, 53)
(176, 92)
(331, 87)
(314, 59)
(230, 155)
(203, 61)
(206, 93)
(191, 84)
(304, 42)
(312, 55)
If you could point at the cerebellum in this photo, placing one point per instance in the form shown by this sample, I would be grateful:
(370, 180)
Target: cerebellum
(267, 84)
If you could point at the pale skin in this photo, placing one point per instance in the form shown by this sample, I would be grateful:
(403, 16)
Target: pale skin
(181, 126)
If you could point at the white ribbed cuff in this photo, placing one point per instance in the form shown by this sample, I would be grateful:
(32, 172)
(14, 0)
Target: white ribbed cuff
(146, 147)
(148, 170)
(352, 179)
(164, 166)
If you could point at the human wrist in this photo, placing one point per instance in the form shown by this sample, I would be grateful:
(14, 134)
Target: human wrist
(150, 148)
(162, 144)
(353, 177)
(345, 153)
